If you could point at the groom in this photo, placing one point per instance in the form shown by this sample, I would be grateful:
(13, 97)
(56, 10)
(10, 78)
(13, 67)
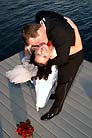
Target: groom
(54, 27)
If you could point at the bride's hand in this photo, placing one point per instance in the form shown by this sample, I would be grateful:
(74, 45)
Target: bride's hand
(78, 42)
(72, 24)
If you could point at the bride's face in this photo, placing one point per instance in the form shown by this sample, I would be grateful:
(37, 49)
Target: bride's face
(42, 54)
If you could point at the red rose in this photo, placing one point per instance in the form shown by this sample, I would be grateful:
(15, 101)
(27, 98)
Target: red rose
(25, 129)
(49, 43)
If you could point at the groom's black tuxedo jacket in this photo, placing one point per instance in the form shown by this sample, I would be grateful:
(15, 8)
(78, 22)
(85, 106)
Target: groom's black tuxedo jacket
(59, 32)
(63, 37)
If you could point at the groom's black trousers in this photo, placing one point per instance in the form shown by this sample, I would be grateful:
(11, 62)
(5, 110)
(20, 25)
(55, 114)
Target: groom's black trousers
(66, 75)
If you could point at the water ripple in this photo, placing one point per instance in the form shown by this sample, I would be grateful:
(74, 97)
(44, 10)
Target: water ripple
(14, 14)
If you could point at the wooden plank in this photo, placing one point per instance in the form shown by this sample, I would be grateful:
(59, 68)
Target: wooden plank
(77, 114)
(79, 107)
(8, 128)
(87, 65)
(17, 102)
(80, 100)
(13, 119)
(5, 100)
(6, 66)
(80, 91)
(39, 128)
(15, 98)
(85, 84)
(70, 129)
(3, 134)
(78, 124)
(33, 114)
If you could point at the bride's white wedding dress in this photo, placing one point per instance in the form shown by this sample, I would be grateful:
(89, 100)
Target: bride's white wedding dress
(43, 88)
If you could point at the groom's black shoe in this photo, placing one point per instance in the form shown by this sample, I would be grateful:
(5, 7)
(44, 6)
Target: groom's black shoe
(51, 114)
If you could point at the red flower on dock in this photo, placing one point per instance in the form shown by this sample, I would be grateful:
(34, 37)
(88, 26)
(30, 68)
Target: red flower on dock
(25, 129)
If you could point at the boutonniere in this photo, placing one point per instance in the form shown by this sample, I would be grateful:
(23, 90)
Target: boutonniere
(49, 43)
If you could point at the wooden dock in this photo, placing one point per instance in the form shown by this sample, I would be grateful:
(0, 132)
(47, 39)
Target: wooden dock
(17, 103)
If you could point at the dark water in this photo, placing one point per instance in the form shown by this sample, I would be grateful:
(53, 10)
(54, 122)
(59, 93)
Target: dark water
(15, 13)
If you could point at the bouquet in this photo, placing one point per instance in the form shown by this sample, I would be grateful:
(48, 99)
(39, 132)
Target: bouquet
(25, 129)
